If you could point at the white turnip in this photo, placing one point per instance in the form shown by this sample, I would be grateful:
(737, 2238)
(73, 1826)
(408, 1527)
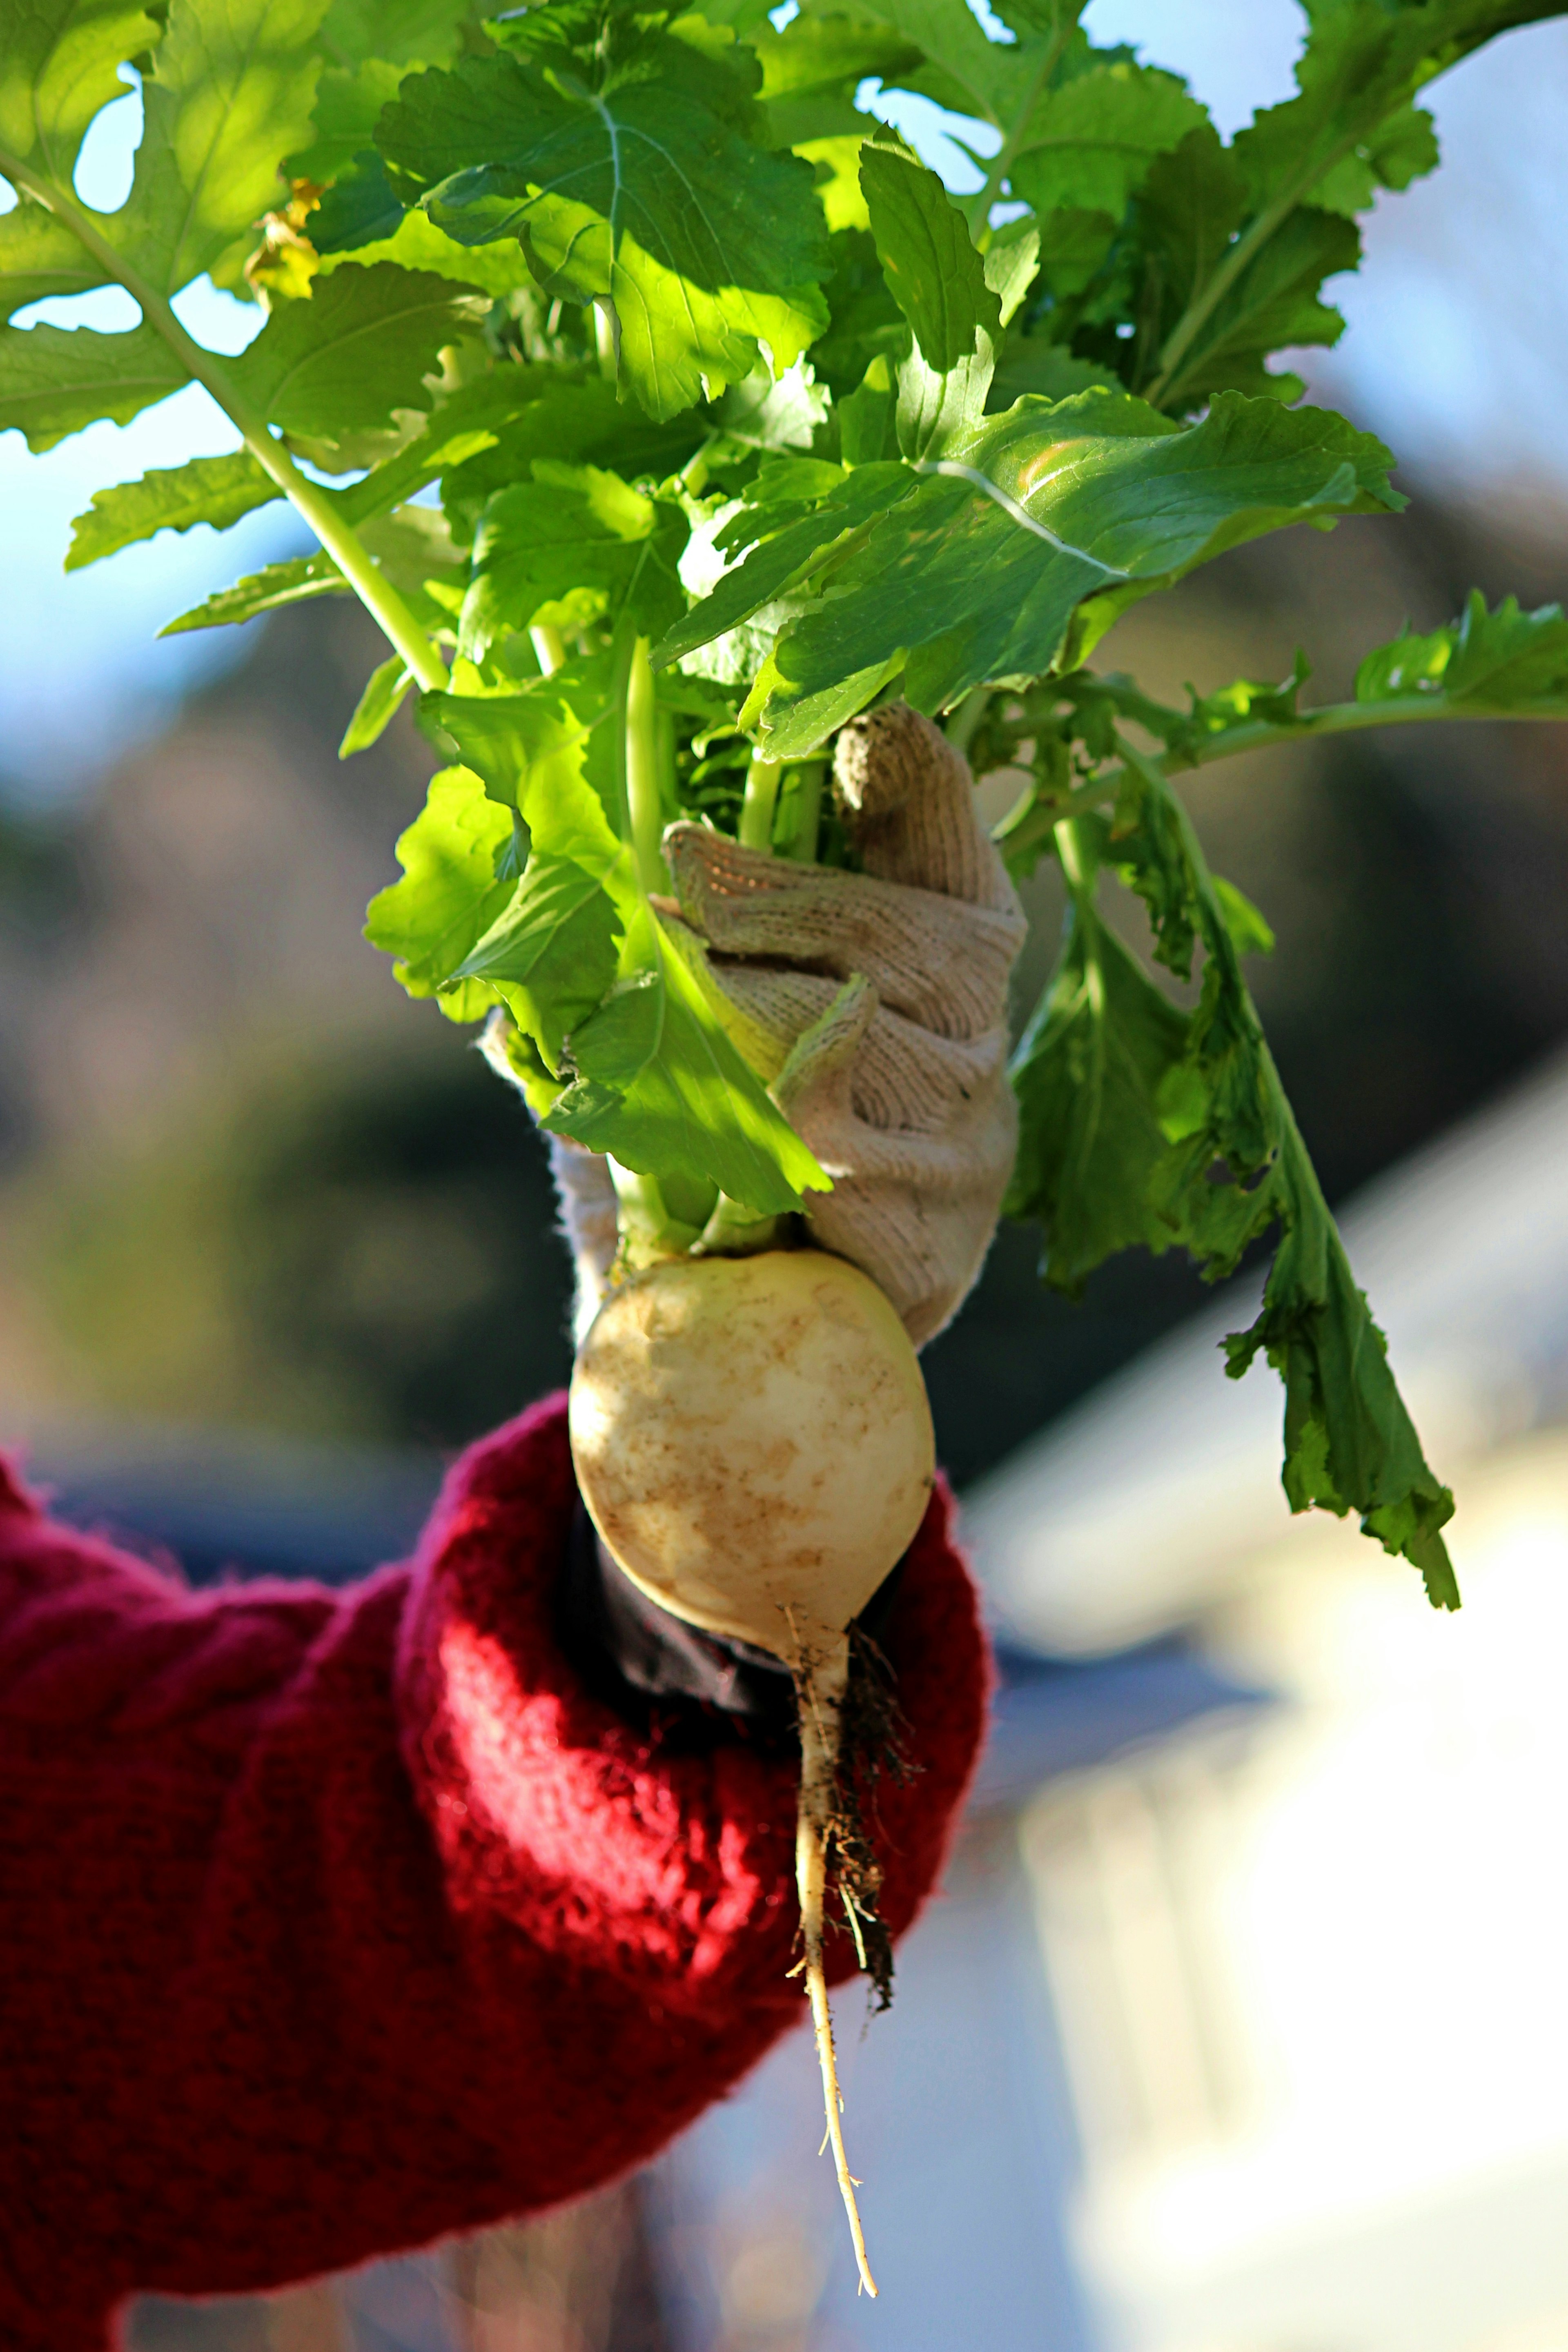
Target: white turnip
(753, 1442)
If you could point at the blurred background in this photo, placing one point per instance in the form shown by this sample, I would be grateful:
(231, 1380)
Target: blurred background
(1239, 2028)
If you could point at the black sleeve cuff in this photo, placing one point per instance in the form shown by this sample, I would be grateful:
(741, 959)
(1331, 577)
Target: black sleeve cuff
(636, 1657)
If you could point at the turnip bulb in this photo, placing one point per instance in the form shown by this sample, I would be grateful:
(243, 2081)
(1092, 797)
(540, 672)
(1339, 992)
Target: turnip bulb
(753, 1443)
(753, 1440)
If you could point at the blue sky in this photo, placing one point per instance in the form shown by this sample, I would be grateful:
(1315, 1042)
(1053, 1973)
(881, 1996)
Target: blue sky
(1455, 352)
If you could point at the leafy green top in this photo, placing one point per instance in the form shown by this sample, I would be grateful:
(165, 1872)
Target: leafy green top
(735, 422)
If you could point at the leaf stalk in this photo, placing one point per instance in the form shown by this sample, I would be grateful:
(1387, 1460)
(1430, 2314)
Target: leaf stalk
(377, 595)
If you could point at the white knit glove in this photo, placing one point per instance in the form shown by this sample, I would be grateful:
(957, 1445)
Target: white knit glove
(898, 1082)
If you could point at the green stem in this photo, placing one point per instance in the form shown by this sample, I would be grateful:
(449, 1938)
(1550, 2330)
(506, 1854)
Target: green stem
(978, 208)
(961, 726)
(547, 650)
(1202, 308)
(756, 827)
(694, 473)
(649, 1229)
(378, 595)
(802, 843)
(1261, 734)
(644, 799)
(606, 338)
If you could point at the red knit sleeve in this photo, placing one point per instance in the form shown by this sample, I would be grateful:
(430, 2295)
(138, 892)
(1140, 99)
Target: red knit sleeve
(333, 1922)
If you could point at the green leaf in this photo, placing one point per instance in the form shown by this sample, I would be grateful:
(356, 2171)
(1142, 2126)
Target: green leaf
(1350, 1443)
(978, 572)
(409, 547)
(357, 351)
(974, 75)
(551, 952)
(1088, 142)
(567, 548)
(1273, 305)
(405, 32)
(59, 64)
(640, 191)
(1362, 63)
(1505, 664)
(662, 1086)
(939, 281)
(348, 107)
(290, 582)
(412, 240)
(216, 491)
(361, 212)
(560, 414)
(1031, 364)
(38, 257)
(377, 707)
(1399, 151)
(448, 895)
(788, 542)
(56, 380)
(658, 1082)
(866, 323)
(1090, 1072)
(934, 272)
(828, 53)
(230, 94)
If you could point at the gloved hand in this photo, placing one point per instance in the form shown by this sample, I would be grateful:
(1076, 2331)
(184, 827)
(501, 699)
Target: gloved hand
(898, 1082)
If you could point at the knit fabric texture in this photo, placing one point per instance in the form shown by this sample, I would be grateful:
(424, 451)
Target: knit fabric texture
(336, 1922)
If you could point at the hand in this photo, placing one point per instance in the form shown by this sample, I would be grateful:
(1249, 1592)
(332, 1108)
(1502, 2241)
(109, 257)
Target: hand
(898, 1082)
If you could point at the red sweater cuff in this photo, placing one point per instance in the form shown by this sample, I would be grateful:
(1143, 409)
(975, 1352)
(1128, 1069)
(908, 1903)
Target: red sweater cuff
(607, 1846)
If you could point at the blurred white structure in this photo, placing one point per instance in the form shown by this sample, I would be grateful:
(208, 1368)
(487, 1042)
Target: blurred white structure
(1251, 2038)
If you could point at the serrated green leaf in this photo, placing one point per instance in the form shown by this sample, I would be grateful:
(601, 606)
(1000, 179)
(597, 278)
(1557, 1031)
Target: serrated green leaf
(1350, 1443)
(377, 707)
(977, 573)
(1089, 1073)
(348, 106)
(413, 242)
(290, 582)
(229, 97)
(359, 348)
(1362, 64)
(974, 75)
(573, 544)
(39, 257)
(1013, 264)
(56, 380)
(216, 491)
(361, 212)
(551, 952)
(1272, 306)
(410, 547)
(1399, 151)
(1088, 142)
(448, 895)
(548, 751)
(662, 1086)
(829, 53)
(707, 244)
(404, 32)
(59, 64)
(787, 543)
(1506, 663)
